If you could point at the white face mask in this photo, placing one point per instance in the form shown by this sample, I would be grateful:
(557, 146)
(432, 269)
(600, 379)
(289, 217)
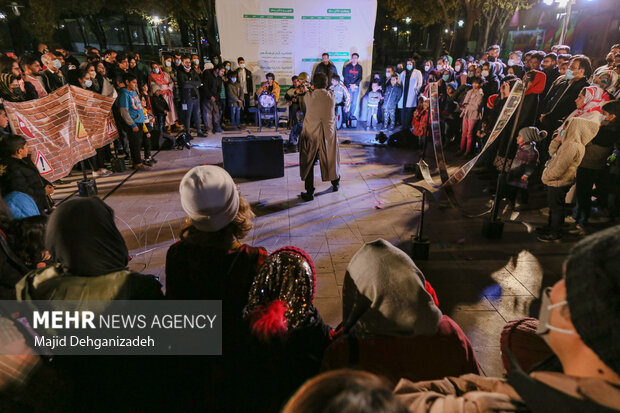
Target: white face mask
(427, 68)
(485, 73)
(511, 62)
(168, 63)
(242, 65)
(196, 62)
(156, 71)
(439, 67)
(388, 74)
(457, 68)
(88, 83)
(56, 63)
(544, 317)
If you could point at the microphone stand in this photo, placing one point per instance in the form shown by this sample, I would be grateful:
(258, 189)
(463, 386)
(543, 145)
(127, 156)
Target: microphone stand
(493, 226)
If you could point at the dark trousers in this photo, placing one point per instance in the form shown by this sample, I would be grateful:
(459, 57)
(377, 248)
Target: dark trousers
(135, 143)
(556, 197)
(146, 143)
(512, 192)
(161, 122)
(309, 181)
(586, 179)
(292, 114)
(211, 115)
(191, 113)
(247, 116)
(406, 117)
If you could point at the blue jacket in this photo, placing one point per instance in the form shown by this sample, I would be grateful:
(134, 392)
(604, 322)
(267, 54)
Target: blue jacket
(392, 95)
(131, 108)
(352, 74)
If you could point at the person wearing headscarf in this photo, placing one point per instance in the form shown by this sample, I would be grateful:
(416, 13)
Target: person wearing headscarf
(13, 88)
(90, 258)
(426, 70)
(391, 323)
(589, 104)
(12, 268)
(21, 205)
(286, 335)
(607, 80)
(535, 84)
(491, 81)
(460, 68)
(161, 80)
(567, 150)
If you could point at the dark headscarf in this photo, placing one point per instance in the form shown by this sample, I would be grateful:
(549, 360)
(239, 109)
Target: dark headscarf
(82, 237)
(424, 72)
(463, 67)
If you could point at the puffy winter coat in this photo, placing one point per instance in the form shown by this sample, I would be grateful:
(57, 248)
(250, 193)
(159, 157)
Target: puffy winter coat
(566, 156)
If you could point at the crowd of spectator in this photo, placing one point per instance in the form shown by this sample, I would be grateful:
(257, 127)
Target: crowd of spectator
(278, 353)
(274, 338)
(566, 132)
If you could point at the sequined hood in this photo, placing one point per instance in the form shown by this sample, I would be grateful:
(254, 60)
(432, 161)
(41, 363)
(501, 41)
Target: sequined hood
(281, 295)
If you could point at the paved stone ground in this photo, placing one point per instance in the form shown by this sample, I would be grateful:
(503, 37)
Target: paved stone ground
(480, 283)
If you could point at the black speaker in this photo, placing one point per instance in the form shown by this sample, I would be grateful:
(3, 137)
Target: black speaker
(254, 157)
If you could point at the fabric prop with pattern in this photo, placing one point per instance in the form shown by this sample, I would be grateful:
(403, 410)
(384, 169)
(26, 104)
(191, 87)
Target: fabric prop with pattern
(63, 128)
(516, 94)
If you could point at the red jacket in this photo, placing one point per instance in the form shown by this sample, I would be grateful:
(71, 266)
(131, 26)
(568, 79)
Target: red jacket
(420, 122)
(447, 353)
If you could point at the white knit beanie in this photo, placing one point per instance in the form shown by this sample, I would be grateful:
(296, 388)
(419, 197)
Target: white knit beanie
(210, 197)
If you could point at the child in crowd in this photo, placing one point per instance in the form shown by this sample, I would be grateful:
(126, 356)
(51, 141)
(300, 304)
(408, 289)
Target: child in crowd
(160, 108)
(147, 128)
(343, 98)
(235, 100)
(421, 121)
(392, 95)
(447, 111)
(19, 174)
(470, 112)
(374, 98)
(523, 165)
(145, 93)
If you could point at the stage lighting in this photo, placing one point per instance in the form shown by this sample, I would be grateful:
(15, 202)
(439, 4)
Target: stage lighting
(395, 28)
(408, 20)
(156, 19)
(461, 23)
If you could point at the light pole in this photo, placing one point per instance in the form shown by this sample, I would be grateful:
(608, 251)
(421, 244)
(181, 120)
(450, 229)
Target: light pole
(568, 6)
(566, 20)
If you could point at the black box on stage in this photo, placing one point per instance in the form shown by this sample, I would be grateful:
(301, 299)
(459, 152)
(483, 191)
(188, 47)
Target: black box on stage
(260, 157)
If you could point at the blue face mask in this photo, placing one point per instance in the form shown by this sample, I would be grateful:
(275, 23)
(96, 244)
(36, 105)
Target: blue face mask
(445, 78)
(409, 67)
(569, 74)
